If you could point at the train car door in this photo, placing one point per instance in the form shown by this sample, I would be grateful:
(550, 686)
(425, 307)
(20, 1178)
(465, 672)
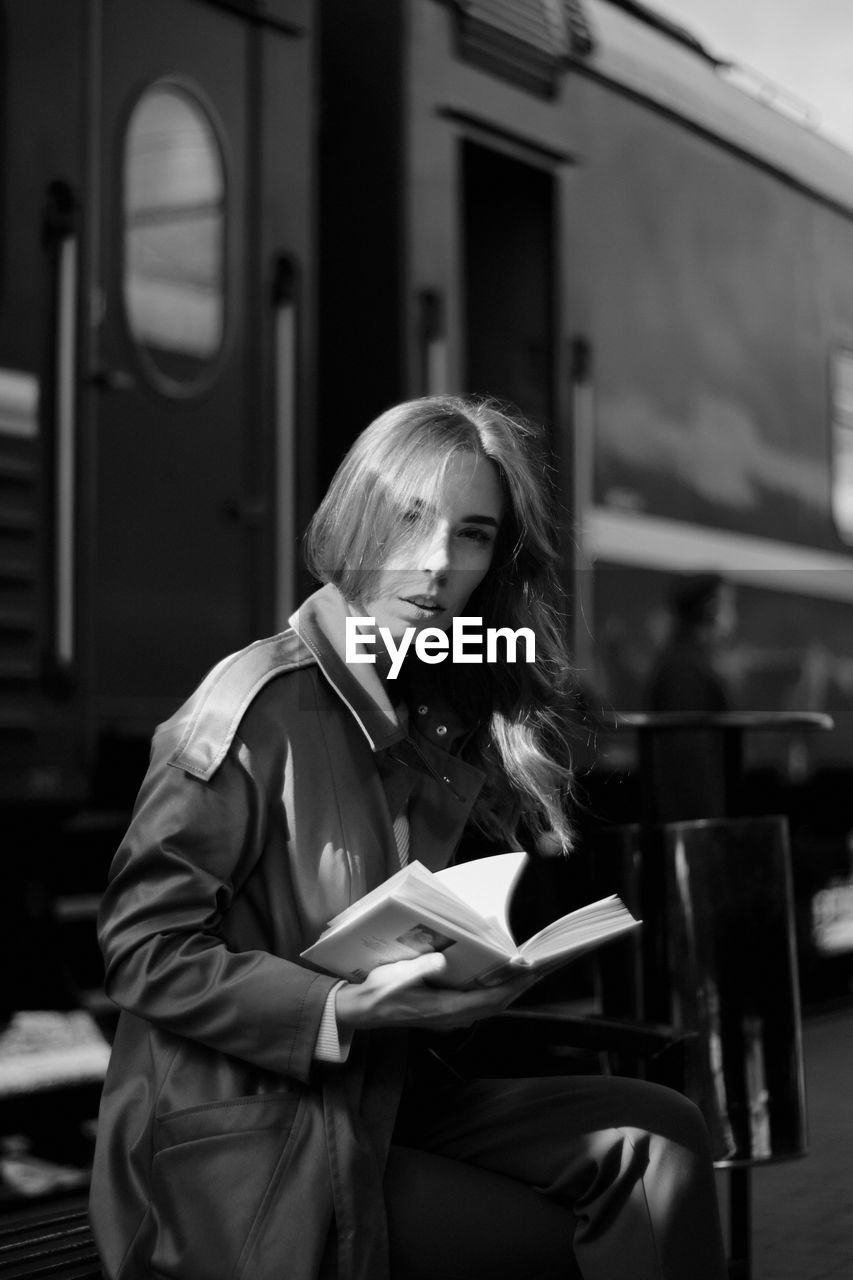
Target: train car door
(509, 279)
(178, 495)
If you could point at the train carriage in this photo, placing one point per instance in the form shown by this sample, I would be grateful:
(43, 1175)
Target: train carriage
(608, 233)
(154, 339)
(589, 215)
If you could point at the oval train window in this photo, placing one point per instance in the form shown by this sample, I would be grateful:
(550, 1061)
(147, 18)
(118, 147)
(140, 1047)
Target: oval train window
(174, 238)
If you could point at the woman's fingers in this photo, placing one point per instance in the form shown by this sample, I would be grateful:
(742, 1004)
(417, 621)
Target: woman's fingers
(430, 967)
(409, 993)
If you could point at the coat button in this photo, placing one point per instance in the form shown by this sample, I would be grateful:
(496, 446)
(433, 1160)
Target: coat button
(423, 709)
(441, 730)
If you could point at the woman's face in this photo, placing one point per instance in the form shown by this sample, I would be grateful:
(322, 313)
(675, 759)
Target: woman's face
(427, 582)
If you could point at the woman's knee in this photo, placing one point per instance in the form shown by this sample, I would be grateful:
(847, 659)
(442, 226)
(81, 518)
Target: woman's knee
(686, 1125)
(667, 1114)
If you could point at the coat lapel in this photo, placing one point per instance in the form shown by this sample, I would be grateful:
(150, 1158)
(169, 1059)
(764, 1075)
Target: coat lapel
(437, 788)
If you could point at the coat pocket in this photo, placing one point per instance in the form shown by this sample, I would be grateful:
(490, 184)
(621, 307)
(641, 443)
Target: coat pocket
(213, 1166)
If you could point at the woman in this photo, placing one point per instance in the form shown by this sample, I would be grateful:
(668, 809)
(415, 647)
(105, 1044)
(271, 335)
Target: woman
(251, 1101)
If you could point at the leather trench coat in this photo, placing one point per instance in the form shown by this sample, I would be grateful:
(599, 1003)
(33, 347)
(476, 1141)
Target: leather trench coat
(224, 1150)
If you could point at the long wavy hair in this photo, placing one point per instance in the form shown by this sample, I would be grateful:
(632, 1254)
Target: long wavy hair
(523, 711)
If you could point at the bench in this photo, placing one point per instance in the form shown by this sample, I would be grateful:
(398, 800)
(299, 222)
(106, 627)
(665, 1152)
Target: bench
(54, 1242)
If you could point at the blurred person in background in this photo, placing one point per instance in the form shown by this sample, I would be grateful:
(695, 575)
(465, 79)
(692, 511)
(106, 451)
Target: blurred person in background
(686, 676)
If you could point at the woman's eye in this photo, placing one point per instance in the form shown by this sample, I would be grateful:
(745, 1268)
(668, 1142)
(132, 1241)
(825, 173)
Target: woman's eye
(476, 535)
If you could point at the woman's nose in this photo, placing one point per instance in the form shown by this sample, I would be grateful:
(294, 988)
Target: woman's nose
(435, 554)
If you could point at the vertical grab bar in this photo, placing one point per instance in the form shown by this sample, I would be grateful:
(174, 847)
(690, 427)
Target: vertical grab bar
(284, 300)
(62, 239)
(583, 468)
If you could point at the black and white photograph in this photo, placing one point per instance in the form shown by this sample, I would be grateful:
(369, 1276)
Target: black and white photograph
(426, 459)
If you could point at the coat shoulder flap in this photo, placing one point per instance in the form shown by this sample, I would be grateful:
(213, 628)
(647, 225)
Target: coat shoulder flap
(214, 712)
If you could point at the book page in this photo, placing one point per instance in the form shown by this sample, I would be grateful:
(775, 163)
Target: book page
(413, 871)
(395, 929)
(487, 885)
(579, 931)
(416, 885)
(438, 898)
(474, 896)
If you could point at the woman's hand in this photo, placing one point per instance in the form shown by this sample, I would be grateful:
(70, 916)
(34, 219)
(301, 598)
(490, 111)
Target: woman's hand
(403, 995)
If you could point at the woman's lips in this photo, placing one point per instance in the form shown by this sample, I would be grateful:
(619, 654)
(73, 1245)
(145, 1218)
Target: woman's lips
(428, 604)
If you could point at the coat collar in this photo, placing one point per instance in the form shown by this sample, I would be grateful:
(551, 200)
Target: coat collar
(438, 786)
(209, 720)
(320, 623)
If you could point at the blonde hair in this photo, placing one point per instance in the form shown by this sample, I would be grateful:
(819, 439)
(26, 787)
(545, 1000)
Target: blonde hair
(523, 709)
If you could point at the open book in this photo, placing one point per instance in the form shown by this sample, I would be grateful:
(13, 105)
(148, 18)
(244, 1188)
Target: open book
(462, 911)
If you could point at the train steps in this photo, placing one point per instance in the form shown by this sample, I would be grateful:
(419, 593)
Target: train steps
(53, 1243)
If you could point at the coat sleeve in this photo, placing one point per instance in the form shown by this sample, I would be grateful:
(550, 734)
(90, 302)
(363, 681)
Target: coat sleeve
(190, 846)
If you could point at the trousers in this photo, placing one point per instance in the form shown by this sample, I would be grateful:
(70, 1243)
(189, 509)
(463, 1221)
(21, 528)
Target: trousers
(631, 1160)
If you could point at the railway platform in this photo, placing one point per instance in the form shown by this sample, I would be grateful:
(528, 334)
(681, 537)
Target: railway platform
(803, 1209)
